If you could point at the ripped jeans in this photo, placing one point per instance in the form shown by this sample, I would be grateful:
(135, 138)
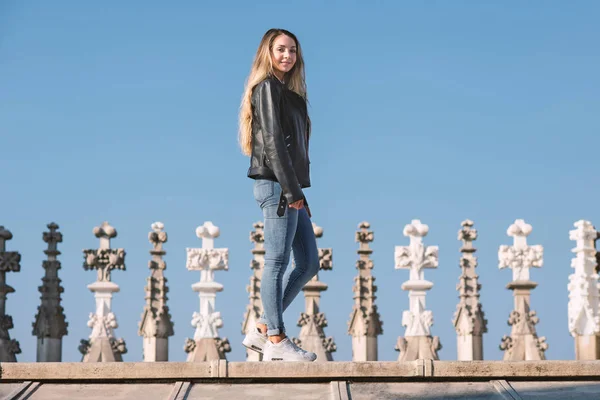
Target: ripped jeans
(291, 233)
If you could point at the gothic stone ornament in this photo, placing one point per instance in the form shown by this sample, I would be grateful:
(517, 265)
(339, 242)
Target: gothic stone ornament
(104, 259)
(365, 323)
(469, 320)
(254, 308)
(520, 257)
(584, 298)
(102, 345)
(523, 343)
(156, 325)
(312, 321)
(50, 323)
(207, 344)
(9, 261)
(417, 342)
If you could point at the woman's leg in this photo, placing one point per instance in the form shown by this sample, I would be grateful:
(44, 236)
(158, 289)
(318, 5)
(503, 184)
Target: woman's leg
(306, 259)
(306, 262)
(279, 234)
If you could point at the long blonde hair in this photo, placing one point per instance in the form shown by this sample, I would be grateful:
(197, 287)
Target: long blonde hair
(262, 67)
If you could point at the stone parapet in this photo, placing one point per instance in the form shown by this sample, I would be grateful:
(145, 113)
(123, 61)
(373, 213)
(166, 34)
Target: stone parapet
(417, 370)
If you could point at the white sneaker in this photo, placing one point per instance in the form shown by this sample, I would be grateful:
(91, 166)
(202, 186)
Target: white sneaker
(286, 350)
(255, 340)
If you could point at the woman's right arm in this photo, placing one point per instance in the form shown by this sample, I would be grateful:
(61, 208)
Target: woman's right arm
(267, 103)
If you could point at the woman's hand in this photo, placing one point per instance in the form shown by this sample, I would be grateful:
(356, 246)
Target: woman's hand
(297, 204)
(300, 204)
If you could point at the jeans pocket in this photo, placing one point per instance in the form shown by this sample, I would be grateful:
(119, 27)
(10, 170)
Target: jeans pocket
(263, 190)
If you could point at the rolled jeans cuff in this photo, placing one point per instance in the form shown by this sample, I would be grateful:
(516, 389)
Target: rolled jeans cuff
(270, 332)
(275, 332)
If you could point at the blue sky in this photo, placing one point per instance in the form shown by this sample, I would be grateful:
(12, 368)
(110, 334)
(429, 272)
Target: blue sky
(438, 111)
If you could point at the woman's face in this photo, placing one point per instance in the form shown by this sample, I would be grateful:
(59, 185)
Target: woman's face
(284, 53)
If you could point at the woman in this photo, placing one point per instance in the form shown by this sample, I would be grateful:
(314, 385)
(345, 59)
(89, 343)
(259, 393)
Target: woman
(274, 132)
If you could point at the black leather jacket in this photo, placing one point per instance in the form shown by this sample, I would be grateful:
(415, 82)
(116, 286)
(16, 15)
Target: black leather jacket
(280, 136)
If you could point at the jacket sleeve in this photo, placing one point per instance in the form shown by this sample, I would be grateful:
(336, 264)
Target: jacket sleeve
(268, 113)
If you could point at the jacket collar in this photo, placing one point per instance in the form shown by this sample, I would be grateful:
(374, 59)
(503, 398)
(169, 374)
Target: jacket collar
(276, 79)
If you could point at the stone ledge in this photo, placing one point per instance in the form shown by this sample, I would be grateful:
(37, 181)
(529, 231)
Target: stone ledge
(418, 370)
(516, 369)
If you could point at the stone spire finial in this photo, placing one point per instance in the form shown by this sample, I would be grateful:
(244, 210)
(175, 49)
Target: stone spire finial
(417, 341)
(365, 323)
(523, 343)
(254, 308)
(206, 344)
(208, 233)
(104, 259)
(102, 345)
(584, 297)
(156, 325)
(520, 257)
(50, 322)
(469, 319)
(312, 321)
(9, 261)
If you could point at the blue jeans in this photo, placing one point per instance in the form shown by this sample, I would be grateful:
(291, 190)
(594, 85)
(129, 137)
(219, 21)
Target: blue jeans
(291, 233)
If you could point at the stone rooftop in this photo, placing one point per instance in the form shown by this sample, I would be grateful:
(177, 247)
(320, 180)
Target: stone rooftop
(421, 379)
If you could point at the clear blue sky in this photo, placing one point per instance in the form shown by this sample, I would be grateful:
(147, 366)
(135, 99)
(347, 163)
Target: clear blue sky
(438, 111)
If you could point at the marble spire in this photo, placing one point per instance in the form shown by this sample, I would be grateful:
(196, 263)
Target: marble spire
(156, 325)
(254, 308)
(312, 321)
(206, 344)
(50, 322)
(365, 323)
(469, 319)
(102, 345)
(523, 343)
(417, 342)
(9, 261)
(584, 297)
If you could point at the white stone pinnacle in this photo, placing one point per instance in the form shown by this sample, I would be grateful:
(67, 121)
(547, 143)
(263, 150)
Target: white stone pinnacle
(207, 260)
(102, 345)
(365, 323)
(417, 341)
(469, 320)
(416, 257)
(50, 325)
(523, 344)
(584, 318)
(155, 325)
(10, 261)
